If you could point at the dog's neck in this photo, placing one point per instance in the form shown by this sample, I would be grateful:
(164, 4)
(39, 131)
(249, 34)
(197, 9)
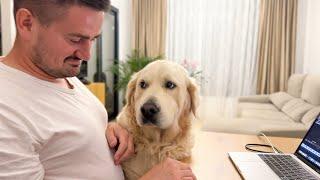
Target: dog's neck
(154, 134)
(157, 135)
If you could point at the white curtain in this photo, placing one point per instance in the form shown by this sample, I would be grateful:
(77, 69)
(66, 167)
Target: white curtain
(220, 36)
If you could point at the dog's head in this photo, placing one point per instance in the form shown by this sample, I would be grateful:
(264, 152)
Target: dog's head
(161, 93)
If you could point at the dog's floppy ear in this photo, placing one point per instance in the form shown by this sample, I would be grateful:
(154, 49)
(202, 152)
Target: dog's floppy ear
(131, 89)
(193, 91)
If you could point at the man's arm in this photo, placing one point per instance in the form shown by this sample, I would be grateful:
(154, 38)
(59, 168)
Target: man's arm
(18, 159)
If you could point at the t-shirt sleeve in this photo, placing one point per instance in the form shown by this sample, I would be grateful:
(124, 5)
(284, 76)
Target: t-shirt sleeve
(18, 157)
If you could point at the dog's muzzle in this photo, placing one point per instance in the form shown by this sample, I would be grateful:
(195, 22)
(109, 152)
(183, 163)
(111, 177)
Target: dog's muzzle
(149, 111)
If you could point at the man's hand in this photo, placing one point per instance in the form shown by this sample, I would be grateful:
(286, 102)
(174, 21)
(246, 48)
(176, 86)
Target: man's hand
(118, 136)
(170, 169)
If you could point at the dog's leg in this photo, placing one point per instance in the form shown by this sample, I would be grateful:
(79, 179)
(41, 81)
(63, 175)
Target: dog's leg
(179, 153)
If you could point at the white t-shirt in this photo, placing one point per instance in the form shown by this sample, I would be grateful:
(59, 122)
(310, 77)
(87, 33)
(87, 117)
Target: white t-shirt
(52, 133)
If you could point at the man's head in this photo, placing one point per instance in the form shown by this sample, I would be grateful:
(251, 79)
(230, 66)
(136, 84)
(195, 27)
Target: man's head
(58, 34)
(49, 10)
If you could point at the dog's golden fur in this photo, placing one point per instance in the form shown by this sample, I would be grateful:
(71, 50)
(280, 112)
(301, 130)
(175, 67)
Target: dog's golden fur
(171, 137)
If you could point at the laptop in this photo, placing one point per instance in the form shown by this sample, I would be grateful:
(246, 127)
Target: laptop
(303, 164)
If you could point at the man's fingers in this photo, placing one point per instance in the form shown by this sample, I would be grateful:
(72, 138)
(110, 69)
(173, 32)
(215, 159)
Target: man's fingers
(187, 173)
(111, 138)
(189, 178)
(184, 166)
(129, 151)
(122, 148)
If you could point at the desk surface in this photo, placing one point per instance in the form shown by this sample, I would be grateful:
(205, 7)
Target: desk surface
(210, 158)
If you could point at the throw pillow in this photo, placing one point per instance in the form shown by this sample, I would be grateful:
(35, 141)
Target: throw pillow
(311, 89)
(279, 99)
(308, 118)
(295, 84)
(296, 108)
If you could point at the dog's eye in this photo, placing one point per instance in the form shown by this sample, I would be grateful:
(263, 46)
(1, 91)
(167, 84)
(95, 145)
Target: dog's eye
(170, 85)
(143, 84)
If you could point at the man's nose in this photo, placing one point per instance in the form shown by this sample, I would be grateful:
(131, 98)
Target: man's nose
(84, 51)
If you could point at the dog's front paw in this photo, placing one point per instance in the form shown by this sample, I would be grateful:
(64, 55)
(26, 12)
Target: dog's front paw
(178, 153)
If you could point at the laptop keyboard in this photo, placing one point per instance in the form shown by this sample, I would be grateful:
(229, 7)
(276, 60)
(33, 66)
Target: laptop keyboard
(286, 167)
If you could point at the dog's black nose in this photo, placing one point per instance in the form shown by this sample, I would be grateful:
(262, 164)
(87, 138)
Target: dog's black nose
(149, 110)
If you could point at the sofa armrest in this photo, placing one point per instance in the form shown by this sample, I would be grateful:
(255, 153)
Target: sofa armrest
(255, 99)
(285, 131)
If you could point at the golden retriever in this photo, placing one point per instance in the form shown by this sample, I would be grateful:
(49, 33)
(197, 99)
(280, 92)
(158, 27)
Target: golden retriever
(161, 102)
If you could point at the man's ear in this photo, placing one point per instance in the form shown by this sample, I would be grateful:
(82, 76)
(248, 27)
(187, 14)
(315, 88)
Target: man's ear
(193, 91)
(131, 89)
(25, 22)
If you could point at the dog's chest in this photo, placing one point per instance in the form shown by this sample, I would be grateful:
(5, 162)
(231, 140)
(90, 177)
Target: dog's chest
(148, 156)
(140, 164)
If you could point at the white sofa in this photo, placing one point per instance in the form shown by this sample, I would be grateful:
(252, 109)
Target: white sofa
(287, 114)
(284, 113)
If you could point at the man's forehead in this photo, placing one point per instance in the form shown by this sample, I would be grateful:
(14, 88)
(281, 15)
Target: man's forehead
(81, 22)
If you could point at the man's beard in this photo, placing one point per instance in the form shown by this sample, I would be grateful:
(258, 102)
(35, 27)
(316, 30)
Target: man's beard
(39, 59)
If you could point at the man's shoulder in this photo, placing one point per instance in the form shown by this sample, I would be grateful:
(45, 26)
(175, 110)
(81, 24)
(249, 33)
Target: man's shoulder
(15, 90)
(9, 82)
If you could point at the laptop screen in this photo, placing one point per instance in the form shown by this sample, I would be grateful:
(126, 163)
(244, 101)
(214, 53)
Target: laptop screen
(309, 149)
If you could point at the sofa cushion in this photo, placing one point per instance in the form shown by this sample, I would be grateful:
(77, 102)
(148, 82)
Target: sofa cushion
(265, 116)
(264, 98)
(260, 106)
(295, 83)
(311, 89)
(310, 116)
(296, 108)
(251, 126)
(280, 98)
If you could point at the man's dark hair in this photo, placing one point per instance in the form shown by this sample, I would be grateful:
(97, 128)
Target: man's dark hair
(48, 10)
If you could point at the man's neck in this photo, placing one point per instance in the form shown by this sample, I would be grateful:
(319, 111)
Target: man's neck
(24, 63)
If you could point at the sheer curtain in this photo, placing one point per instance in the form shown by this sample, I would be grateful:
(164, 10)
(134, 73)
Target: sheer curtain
(221, 38)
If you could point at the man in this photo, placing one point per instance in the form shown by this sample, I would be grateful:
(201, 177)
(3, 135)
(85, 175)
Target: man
(51, 126)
